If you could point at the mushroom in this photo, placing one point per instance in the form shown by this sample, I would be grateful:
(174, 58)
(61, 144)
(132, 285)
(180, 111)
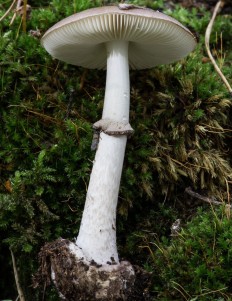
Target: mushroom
(116, 39)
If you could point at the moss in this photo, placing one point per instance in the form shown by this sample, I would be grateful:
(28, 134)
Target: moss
(197, 263)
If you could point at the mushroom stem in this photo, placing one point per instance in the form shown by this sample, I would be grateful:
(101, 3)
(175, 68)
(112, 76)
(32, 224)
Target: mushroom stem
(117, 94)
(97, 234)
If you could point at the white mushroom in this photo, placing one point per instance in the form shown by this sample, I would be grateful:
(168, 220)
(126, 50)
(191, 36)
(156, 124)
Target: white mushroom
(116, 39)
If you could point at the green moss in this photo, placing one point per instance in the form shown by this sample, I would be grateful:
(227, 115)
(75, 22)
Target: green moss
(196, 265)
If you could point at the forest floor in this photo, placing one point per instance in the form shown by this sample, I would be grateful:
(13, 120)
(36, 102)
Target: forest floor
(142, 285)
(209, 4)
(46, 133)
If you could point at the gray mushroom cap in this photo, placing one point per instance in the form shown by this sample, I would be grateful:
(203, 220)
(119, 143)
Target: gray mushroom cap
(154, 38)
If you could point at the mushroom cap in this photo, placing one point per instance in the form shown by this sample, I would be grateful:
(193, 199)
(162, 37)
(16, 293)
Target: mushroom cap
(154, 38)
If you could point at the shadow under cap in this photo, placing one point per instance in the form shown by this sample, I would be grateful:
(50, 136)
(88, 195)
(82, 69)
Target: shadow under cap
(154, 38)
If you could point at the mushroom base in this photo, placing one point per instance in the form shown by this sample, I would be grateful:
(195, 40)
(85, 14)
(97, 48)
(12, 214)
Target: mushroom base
(78, 279)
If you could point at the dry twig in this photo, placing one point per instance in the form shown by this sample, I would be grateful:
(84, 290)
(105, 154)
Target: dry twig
(204, 198)
(19, 289)
(15, 13)
(9, 10)
(24, 15)
(218, 6)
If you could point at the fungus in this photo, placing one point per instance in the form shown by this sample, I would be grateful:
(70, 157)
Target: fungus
(116, 39)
